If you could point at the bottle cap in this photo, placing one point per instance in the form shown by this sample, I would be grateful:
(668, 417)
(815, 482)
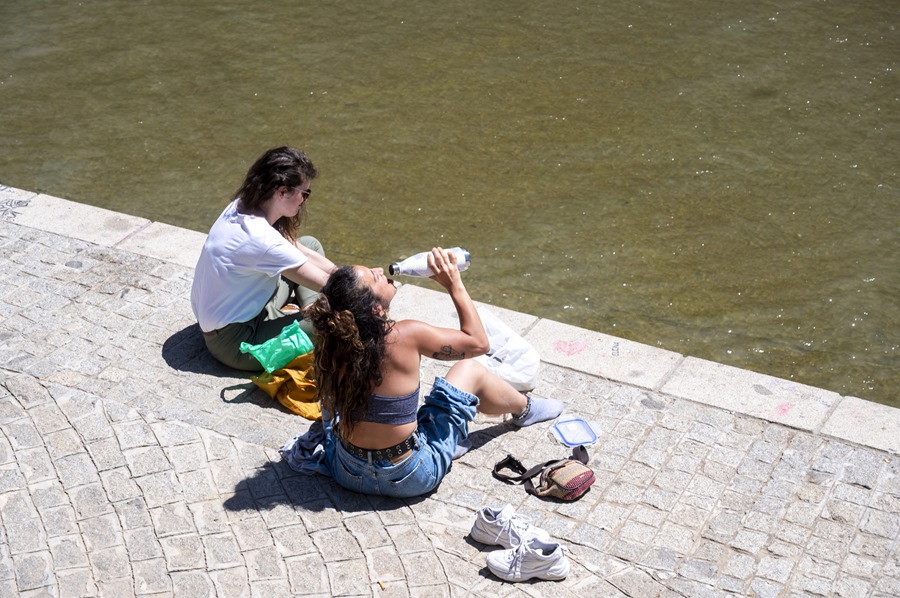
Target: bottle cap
(394, 268)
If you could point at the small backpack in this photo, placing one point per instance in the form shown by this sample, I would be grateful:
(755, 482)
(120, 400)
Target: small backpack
(566, 479)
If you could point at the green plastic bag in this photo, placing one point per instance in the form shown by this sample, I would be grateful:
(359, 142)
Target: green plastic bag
(277, 352)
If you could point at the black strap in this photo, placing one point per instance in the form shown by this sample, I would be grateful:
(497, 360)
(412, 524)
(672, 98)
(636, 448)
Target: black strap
(579, 453)
(510, 462)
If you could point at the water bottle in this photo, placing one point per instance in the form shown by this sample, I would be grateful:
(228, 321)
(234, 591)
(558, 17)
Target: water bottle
(417, 265)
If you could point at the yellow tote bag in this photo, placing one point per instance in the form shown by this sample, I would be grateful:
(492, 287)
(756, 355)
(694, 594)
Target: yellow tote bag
(294, 386)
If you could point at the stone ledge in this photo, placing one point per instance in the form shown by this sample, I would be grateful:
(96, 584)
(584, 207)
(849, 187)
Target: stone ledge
(742, 391)
(10, 196)
(602, 355)
(168, 243)
(866, 423)
(79, 221)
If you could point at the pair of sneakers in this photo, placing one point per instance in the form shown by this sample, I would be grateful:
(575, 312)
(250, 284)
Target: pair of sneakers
(530, 552)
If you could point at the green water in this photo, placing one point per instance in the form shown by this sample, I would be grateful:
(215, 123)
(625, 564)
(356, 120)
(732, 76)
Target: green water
(718, 179)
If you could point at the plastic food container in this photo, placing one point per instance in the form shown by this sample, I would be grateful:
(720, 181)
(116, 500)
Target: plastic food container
(574, 432)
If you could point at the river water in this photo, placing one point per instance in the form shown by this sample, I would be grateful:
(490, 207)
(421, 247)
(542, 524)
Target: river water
(714, 178)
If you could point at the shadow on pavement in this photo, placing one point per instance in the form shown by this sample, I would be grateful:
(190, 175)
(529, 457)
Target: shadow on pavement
(250, 393)
(185, 351)
(277, 484)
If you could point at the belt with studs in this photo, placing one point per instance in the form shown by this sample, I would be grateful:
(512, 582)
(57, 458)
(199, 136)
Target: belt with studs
(392, 452)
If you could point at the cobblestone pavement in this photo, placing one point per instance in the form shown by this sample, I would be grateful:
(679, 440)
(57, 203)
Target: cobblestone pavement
(132, 464)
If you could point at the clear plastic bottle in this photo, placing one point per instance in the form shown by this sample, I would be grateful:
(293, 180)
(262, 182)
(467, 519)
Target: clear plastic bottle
(417, 265)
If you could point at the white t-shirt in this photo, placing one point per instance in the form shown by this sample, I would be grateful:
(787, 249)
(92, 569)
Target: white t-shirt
(238, 269)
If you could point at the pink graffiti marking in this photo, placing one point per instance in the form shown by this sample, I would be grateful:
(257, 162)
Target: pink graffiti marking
(782, 409)
(570, 348)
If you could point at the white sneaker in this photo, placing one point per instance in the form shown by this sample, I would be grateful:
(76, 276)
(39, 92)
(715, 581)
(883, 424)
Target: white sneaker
(534, 558)
(501, 526)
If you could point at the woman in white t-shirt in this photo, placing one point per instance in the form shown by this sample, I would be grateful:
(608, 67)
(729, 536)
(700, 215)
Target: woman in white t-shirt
(254, 276)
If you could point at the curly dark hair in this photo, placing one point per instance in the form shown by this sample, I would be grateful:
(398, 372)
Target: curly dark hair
(350, 344)
(279, 166)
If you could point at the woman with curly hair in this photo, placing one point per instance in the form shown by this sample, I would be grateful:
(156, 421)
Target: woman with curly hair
(254, 276)
(378, 440)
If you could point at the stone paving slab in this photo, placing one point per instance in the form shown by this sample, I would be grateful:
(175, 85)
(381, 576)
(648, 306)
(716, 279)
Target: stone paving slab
(132, 464)
(766, 397)
(166, 242)
(104, 227)
(603, 355)
(859, 421)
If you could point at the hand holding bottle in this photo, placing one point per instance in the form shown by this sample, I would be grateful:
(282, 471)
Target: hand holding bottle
(417, 265)
(444, 266)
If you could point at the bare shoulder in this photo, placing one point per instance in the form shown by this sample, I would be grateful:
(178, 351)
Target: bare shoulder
(409, 332)
(432, 341)
(411, 326)
(402, 351)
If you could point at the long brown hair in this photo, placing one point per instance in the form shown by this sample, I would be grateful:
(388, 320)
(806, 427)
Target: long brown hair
(280, 166)
(351, 329)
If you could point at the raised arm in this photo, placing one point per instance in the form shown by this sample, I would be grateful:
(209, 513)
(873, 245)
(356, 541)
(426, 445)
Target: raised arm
(447, 343)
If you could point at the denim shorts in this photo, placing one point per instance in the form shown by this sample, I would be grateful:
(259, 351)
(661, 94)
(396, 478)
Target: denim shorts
(443, 422)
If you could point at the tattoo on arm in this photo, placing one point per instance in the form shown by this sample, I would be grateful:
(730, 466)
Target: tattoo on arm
(448, 354)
